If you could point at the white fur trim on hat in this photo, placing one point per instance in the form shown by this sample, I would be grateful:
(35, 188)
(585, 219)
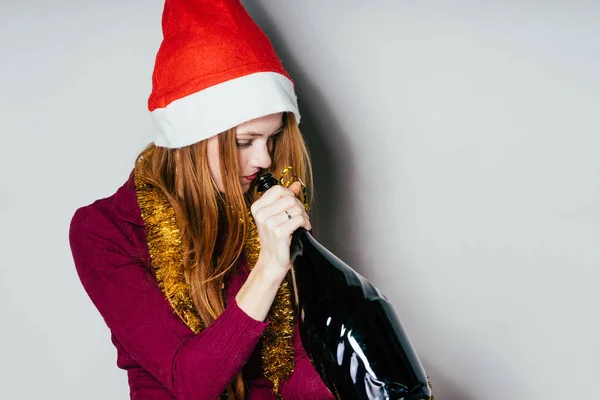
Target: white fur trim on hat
(218, 108)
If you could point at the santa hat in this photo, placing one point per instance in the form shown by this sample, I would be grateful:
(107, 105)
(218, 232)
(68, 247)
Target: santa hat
(214, 70)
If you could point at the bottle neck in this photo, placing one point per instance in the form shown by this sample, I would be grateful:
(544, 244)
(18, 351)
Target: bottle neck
(265, 182)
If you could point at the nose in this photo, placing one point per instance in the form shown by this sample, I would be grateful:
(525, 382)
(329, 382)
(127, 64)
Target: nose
(261, 157)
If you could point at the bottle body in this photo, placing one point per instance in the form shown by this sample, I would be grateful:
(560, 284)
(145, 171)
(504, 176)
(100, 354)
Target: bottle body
(350, 330)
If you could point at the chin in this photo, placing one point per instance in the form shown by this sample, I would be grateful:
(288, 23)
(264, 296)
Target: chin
(246, 185)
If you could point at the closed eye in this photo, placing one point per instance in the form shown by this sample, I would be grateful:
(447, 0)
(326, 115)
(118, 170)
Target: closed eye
(242, 144)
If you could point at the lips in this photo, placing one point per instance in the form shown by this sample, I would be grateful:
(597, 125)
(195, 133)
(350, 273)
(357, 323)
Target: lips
(250, 178)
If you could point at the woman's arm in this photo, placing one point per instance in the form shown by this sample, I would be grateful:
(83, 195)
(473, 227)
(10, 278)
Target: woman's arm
(258, 292)
(278, 213)
(190, 366)
(142, 385)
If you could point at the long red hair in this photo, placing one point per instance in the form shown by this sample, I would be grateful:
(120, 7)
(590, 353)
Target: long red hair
(212, 223)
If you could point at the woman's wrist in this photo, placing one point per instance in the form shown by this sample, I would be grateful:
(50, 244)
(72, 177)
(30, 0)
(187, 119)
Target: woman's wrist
(258, 292)
(270, 273)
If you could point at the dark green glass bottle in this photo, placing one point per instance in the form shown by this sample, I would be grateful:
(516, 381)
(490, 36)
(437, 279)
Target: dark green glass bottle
(349, 329)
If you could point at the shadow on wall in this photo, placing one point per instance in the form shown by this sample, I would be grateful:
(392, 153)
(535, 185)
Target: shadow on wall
(444, 388)
(334, 213)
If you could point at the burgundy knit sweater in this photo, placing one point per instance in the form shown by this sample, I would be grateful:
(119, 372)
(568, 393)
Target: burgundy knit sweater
(163, 358)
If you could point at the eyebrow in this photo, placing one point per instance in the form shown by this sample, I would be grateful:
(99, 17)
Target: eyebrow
(254, 134)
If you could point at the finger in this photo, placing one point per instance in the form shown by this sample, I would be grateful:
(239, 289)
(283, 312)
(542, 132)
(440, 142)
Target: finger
(263, 215)
(307, 225)
(262, 211)
(285, 215)
(271, 195)
(291, 225)
(284, 204)
(274, 193)
(296, 187)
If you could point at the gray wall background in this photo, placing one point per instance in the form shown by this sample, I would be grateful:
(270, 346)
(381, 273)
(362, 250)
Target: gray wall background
(455, 147)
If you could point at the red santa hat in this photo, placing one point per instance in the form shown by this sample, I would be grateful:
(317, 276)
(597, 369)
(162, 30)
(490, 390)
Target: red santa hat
(214, 70)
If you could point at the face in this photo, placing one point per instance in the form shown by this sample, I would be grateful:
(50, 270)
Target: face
(254, 143)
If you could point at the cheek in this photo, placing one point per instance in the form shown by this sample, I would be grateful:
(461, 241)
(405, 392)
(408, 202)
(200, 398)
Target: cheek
(243, 157)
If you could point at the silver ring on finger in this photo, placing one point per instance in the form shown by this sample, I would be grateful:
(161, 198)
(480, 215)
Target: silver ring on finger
(288, 214)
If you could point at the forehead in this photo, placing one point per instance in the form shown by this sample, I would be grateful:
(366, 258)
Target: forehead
(261, 126)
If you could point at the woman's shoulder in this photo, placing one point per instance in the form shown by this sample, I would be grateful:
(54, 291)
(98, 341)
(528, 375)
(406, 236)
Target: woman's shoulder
(120, 207)
(115, 219)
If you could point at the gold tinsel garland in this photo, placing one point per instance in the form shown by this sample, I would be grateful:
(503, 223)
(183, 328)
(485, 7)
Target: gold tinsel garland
(277, 351)
(166, 255)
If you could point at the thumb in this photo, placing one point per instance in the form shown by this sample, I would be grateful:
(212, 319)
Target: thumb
(296, 187)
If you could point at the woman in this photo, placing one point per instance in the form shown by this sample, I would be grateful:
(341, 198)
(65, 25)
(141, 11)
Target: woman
(196, 308)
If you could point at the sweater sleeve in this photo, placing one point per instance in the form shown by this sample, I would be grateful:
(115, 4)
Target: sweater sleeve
(144, 386)
(190, 366)
(305, 383)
